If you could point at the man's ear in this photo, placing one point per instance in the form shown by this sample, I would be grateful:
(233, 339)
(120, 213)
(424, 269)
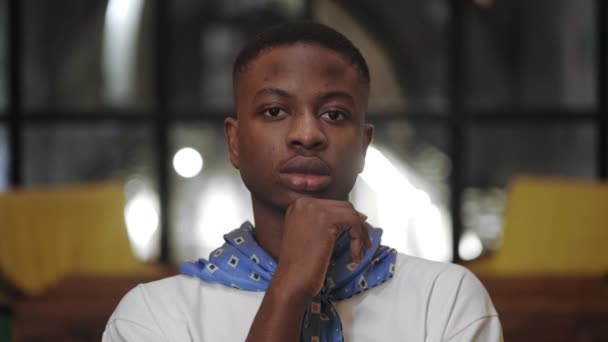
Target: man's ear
(231, 130)
(368, 135)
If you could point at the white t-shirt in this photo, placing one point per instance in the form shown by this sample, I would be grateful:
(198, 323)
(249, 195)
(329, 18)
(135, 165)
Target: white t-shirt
(424, 301)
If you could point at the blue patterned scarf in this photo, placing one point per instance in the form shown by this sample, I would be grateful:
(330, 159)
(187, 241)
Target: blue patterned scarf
(243, 264)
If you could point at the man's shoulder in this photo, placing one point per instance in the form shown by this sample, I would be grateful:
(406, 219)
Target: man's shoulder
(453, 298)
(423, 269)
(178, 293)
(169, 306)
(177, 283)
(156, 294)
(443, 281)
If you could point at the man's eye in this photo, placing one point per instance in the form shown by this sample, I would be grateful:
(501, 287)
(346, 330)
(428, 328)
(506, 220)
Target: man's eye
(334, 115)
(273, 112)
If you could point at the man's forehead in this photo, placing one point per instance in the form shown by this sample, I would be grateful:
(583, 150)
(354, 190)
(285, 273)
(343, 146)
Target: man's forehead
(276, 61)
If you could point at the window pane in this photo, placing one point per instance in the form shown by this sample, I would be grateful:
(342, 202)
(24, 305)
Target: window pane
(206, 40)
(404, 43)
(4, 161)
(531, 54)
(3, 56)
(87, 55)
(404, 188)
(71, 153)
(208, 198)
(498, 153)
(423, 147)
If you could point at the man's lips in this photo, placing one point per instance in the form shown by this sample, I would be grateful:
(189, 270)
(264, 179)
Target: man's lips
(305, 165)
(309, 174)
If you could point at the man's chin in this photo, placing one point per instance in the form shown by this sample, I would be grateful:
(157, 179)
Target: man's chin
(284, 200)
(294, 195)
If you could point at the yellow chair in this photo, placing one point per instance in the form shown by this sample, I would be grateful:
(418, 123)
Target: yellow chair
(552, 226)
(46, 234)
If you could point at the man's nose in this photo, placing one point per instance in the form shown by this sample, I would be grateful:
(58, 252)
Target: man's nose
(305, 132)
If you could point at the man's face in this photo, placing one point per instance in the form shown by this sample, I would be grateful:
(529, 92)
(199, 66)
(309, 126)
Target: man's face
(300, 128)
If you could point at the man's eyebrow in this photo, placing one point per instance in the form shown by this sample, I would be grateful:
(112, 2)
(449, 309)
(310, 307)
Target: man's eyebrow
(272, 91)
(336, 95)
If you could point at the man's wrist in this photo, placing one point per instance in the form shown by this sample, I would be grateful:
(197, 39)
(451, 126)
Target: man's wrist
(284, 292)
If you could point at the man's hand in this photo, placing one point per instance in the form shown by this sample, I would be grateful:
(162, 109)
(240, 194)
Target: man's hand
(311, 229)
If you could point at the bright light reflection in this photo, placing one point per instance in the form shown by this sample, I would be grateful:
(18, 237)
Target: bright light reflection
(119, 49)
(412, 223)
(142, 218)
(470, 246)
(221, 209)
(187, 162)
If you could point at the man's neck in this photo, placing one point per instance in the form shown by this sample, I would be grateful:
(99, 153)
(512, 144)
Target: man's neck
(268, 226)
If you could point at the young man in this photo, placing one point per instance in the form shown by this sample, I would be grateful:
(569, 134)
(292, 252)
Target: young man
(312, 269)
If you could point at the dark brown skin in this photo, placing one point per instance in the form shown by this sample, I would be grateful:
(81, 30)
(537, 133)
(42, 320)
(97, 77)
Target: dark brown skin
(299, 144)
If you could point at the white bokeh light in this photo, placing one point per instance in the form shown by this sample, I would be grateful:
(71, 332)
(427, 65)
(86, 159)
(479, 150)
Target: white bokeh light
(142, 218)
(470, 246)
(221, 208)
(411, 222)
(187, 162)
(119, 54)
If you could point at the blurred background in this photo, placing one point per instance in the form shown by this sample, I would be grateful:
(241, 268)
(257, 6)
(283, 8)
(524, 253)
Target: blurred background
(467, 97)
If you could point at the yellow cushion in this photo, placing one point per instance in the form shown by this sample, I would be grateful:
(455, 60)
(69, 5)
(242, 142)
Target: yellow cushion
(48, 233)
(552, 226)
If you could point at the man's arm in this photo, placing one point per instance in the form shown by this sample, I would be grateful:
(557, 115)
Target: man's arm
(311, 229)
(280, 315)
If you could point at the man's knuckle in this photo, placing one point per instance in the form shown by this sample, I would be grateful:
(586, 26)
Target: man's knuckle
(334, 231)
(323, 215)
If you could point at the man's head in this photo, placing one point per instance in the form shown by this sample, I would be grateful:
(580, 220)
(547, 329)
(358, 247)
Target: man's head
(301, 92)
(300, 32)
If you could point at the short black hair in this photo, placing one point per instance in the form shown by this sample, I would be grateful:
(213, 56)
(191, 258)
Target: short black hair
(301, 32)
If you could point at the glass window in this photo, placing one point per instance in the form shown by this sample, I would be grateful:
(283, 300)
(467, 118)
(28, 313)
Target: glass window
(71, 153)
(422, 146)
(3, 56)
(4, 161)
(530, 54)
(206, 40)
(404, 43)
(87, 55)
(208, 196)
(496, 153)
(404, 188)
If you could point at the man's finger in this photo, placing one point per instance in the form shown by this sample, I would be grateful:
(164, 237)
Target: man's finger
(368, 240)
(356, 251)
(349, 221)
(362, 216)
